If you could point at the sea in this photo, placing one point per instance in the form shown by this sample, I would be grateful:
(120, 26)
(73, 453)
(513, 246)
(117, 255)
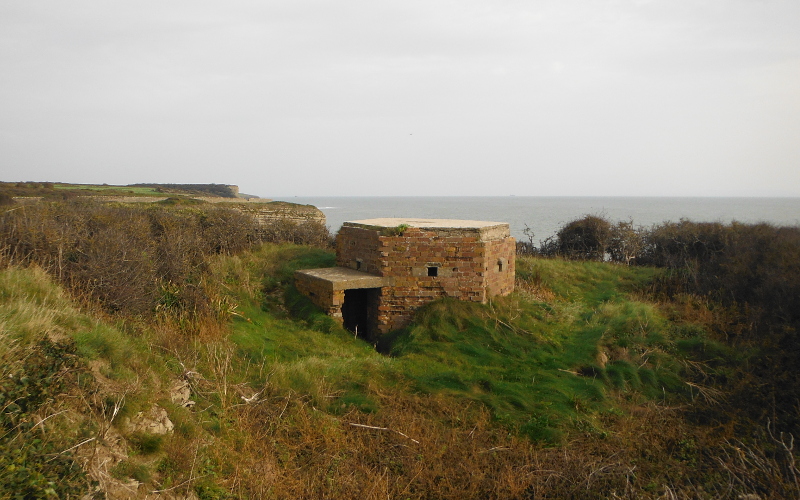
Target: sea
(536, 218)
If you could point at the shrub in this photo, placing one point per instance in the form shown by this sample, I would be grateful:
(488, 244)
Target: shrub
(143, 259)
(583, 239)
(32, 464)
(625, 243)
(301, 233)
(751, 271)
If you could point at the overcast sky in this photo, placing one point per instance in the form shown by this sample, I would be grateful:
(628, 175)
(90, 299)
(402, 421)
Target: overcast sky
(406, 97)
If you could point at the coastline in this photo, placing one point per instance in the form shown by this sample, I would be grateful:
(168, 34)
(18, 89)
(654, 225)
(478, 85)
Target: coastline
(545, 215)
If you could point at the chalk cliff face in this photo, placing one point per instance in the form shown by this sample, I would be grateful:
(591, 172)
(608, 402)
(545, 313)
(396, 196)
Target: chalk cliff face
(281, 210)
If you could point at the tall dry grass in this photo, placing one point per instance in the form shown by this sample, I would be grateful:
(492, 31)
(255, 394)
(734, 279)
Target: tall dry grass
(150, 261)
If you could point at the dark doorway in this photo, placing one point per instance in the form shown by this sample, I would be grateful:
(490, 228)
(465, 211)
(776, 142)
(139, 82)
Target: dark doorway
(360, 312)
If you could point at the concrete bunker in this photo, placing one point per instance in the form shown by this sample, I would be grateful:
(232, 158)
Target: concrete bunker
(388, 268)
(348, 295)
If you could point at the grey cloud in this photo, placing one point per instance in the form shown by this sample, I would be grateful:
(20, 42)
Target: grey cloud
(566, 97)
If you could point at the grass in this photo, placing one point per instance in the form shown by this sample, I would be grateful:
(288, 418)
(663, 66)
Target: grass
(108, 189)
(467, 402)
(66, 367)
(33, 308)
(542, 368)
(39, 364)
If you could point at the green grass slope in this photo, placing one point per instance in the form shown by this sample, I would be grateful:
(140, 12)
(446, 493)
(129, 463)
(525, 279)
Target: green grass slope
(541, 367)
(470, 401)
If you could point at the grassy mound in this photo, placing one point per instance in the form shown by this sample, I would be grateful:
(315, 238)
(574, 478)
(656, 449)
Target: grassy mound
(540, 367)
(572, 387)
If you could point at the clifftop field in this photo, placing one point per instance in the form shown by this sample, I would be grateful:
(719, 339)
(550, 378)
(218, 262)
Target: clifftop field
(61, 191)
(148, 353)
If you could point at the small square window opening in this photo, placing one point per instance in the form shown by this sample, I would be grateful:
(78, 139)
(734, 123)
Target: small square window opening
(433, 271)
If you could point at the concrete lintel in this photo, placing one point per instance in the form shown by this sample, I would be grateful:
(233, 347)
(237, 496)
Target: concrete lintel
(342, 278)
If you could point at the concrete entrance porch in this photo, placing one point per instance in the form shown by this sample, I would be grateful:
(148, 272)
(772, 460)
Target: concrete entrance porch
(345, 294)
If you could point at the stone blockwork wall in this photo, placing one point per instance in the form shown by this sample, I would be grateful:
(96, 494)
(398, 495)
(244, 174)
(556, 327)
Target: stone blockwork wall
(322, 296)
(500, 266)
(425, 264)
(359, 249)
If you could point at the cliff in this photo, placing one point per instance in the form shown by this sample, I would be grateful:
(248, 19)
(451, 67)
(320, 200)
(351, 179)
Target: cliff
(263, 210)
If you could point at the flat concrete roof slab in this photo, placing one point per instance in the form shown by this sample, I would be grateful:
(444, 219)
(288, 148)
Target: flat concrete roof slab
(391, 222)
(342, 278)
(485, 230)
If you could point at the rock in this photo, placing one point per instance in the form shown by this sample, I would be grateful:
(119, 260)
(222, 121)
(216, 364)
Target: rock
(154, 421)
(180, 393)
(601, 359)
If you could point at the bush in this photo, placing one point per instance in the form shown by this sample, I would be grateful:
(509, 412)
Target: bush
(33, 464)
(527, 247)
(582, 239)
(752, 271)
(221, 190)
(684, 244)
(625, 243)
(301, 233)
(748, 273)
(143, 259)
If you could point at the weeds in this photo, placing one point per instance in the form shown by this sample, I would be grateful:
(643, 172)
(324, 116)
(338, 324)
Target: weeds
(35, 463)
(577, 386)
(149, 261)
